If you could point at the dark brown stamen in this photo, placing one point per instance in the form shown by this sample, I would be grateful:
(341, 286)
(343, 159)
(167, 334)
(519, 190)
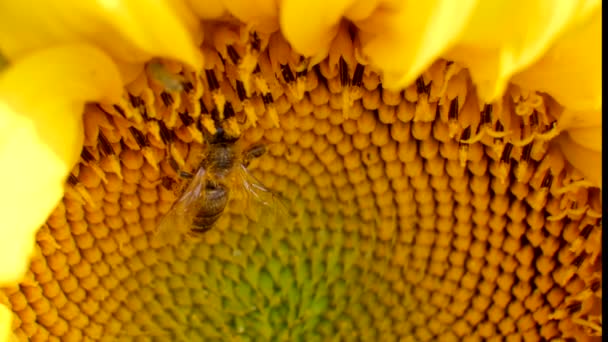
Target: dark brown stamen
(486, 114)
(547, 180)
(72, 180)
(228, 110)
(187, 86)
(139, 137)
(186, 119)
(256, 43)
(574, 307)
(212, 80)
(167, 98)
(86, 155)
(136, 101)
(287, 74)
(499, 127)
(165, 134)
(343, 72)
(466, 133)
(421, 88)
(506, 153)
(203, 107)
(358, 76)
(233, 54)
(104, 144)
(578, 261)
(240, 90)
(534, 118)
(453, 111)
(119, 110)
(215, 115)
(525, 154)
(167, 183)
(586, 231)
(267, 98)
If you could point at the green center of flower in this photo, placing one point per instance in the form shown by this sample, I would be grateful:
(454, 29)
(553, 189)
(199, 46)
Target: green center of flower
(260, 280)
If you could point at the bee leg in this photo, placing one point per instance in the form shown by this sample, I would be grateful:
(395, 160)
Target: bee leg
(185, 175)
(180, 173)
(255, 151)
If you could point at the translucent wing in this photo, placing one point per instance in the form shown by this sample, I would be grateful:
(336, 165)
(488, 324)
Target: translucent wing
(178, 220)
(264, 207)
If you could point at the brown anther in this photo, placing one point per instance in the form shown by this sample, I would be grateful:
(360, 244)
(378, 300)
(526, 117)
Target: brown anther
(574, 307)
(466, 134)
(201, 103)
(135, 101)
(586, 231)
(287, 74)
(255, 41)
(240, 90)
(357, 80)
(104, 145)
(228, 110)
(453, 110)
(343, 72)
(118, 109)
(486, 115)
(547, 180)
(595, 285)
(140, 138)
(422, 88)
(525, 154)
(267, 98)
(86, 155)
(212, 80)
(166, 98)
(233, 54)
(188, 86)
(578, 261)
(165, 134)
(506, 153)
(72, 180)
(186, 118)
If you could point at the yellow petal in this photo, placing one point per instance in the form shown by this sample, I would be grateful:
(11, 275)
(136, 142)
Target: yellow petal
(584, 127)
(5, 323)
(504, 37)
(587, 160)
(571, 71)
(569, 119)
(590, 138)
(404, 41)
(310, 26)
(207, 9)
(262, 15)
(42, 98)
(128, 30)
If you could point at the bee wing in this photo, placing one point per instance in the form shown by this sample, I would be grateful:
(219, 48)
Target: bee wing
(178, 219)
(264, 206)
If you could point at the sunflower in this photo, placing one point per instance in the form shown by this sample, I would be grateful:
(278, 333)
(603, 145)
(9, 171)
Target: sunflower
(438, 166)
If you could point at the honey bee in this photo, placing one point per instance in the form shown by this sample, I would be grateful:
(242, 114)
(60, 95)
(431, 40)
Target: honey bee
(221, 173)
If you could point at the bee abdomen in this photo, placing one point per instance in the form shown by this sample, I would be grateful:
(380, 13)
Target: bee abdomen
(213, 205)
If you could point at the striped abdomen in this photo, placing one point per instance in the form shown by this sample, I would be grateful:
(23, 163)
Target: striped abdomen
(213, 205)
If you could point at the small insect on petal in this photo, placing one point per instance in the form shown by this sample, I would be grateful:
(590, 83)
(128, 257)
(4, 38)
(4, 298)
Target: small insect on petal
(170, 81)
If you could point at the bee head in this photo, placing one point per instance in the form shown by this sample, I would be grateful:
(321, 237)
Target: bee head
(220, 136)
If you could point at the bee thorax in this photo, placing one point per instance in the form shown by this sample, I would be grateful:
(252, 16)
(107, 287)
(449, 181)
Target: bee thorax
(220, 158)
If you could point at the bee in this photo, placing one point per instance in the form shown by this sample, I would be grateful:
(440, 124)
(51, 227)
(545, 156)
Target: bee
(221, 173)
